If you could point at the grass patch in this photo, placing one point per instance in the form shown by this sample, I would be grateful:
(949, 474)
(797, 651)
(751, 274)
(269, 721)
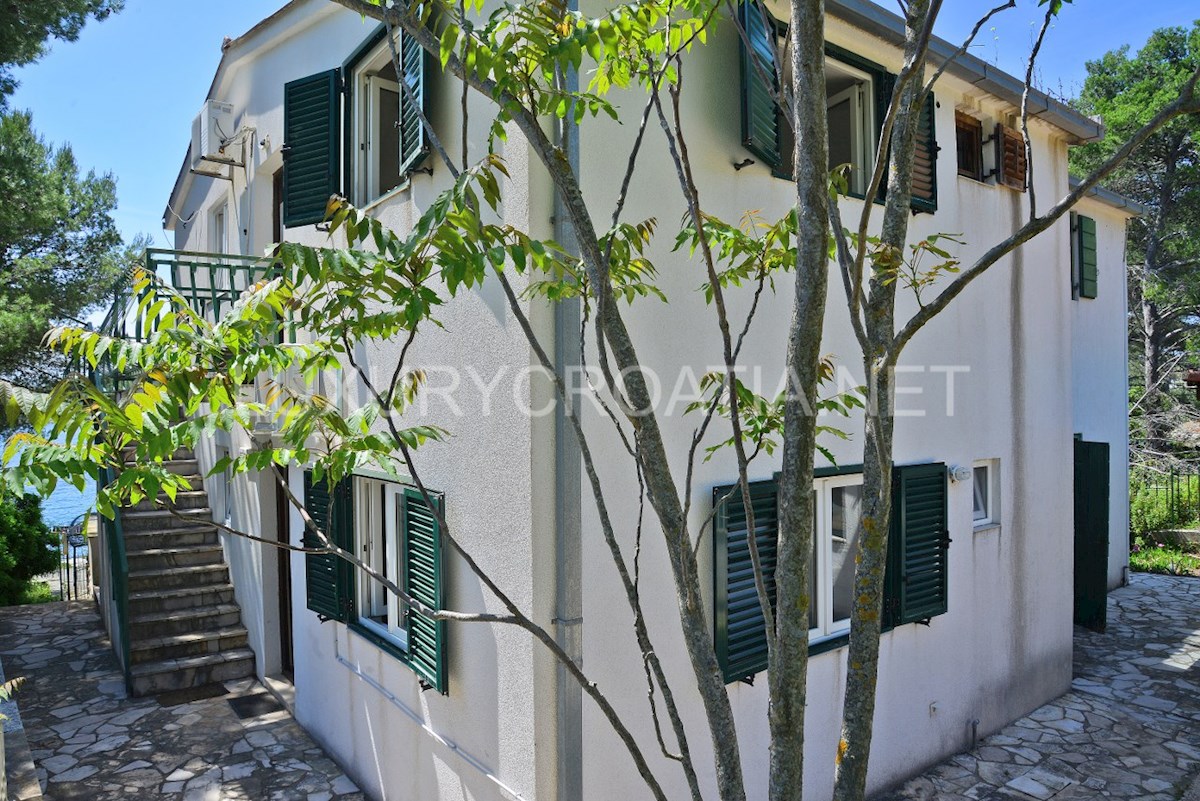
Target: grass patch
(38, 592)
(1149, 556)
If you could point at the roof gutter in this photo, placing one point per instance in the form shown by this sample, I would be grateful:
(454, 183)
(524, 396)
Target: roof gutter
(1111, 198)
(880, 22)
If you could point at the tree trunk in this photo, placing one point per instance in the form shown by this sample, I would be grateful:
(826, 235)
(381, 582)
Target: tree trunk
(788, 669)
(1152, 356)
(858, 713)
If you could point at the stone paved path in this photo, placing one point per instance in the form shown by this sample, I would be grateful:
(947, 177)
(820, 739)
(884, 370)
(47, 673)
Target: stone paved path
(89, 741)
(1129, 728)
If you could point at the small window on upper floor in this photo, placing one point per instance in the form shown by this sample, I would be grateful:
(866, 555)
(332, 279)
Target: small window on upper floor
(969, 140)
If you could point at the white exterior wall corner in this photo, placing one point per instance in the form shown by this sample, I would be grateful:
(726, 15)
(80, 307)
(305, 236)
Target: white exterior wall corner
(481, 740)
(1004, 647)
(1100, 371)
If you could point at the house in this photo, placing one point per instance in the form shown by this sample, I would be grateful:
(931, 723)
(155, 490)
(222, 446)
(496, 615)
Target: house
(1012, 406)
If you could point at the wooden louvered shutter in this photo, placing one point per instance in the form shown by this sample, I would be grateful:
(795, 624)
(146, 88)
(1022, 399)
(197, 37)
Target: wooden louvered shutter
(422, 578)
(1010, 157)
(924, 176)
(740, 633)
(413, 144)
(329, 579)
(311, 137)
(760, 84)
(1085, 255)
(920, 540)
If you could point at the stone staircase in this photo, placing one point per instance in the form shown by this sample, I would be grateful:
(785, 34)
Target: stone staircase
(185, 628)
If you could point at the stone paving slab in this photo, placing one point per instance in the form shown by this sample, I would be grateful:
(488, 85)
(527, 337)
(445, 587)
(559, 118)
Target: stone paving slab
(1127, 729)
(90, 741)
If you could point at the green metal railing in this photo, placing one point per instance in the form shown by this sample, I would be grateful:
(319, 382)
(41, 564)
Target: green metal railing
(118, 582)
(210, 284)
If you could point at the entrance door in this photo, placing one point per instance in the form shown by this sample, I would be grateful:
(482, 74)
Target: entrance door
(1091, 534)
(284, 561)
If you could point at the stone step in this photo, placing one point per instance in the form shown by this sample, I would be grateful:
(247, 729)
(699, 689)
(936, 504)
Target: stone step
(182, 454)
(137, 541)
(165, 559)
(169, 622)
(190, 644)
(178, 578)
(159, 601)
(186, 467)
(193, 671)
(158, 519)
(190, 499)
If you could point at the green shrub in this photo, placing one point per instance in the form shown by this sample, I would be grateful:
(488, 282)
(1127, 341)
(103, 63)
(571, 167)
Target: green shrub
(1157, 503)
(38, 592)
(27, 547)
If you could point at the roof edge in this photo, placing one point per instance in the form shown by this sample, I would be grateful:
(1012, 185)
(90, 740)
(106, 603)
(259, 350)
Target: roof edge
(882, 23)
(1111, 198)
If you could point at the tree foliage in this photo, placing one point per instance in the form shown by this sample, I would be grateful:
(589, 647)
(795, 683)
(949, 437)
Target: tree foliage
(25, 28)
(27, 547)
(1125, 90)
(60, 251)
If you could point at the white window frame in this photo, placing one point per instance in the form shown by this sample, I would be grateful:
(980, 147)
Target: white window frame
(377, 523)
(862, 129)
(218, 230)
(991, 515)
(368, 87)
(827, 627)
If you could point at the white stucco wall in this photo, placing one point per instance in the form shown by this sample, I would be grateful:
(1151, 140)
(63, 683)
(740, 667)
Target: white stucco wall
(361, 703)
(1099, 359)
(1004, 647)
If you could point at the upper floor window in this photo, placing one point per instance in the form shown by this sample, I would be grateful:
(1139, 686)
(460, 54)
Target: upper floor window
(857, 96)
(353, 130)
(968, 134)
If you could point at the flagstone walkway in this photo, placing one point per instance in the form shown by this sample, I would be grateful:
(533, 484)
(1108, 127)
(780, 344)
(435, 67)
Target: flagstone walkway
(89, 741)
(1129, 728)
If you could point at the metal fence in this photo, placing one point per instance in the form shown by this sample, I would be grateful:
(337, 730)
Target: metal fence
(1164, 500)
(73, 581)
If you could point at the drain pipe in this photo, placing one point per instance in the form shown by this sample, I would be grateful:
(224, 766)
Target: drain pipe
(974, 733)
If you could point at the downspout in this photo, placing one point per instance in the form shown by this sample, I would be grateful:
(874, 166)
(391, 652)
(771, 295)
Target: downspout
(568, 479)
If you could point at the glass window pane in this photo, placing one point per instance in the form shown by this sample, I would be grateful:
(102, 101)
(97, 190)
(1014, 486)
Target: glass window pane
(847, 512)
(388, 137)
(981, 493)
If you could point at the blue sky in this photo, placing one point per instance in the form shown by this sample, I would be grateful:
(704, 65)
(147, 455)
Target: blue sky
(124, 95)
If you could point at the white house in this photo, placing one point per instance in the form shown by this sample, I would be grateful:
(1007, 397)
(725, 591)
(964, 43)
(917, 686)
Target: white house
(1021, 385)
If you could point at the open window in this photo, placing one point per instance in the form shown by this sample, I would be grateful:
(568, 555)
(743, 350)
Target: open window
(968, 135)
(857, 95)
(354, 130)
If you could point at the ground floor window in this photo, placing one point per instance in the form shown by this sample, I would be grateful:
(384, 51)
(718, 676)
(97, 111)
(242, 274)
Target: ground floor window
(378, 541)
(838, 509)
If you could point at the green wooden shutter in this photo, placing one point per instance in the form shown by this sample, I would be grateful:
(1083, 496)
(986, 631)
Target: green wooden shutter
(740, 635)
(423, 579)
(924, 175)
(413, 145)
(760, 114)
(1085, 242)
(329, 579)
(311, 137)
(919, 552)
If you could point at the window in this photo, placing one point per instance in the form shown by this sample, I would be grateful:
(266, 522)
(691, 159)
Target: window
(217, 234)
(352, 130)
(392, 530)
(1084, 272)
(377, 155)
(376, 534)
(968, 133)
(983, 495)
(917, 551)
(857, 94)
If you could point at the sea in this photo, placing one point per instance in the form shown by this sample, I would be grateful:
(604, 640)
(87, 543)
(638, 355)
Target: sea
(66, 505)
